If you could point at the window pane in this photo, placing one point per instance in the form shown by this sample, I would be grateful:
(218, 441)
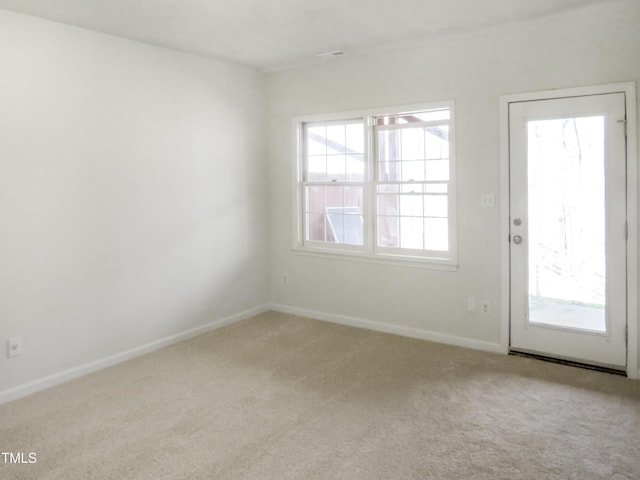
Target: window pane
(343, 215)
(437, 169)
(355, 167)
(317, 169)
(355, 138)
(315, 227)
(388, 205)
(436, 205)
(412, 220)
(411, 232)
(389, 145)
(315, 213)
(389, 171)
(315, 199)
(334, 196)
(336, 168)
(413, 171)
(353, 198)
(437, 142)
(436, 234)
(345, 229)
(345, 225)
(353, 227)
(336, 139)
(412, 147)
(402, 151)
(316, 140)
(388, 232)
(411, 205)
(335, 152)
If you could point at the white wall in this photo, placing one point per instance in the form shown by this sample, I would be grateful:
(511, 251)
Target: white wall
(595, 45)
(132, 197)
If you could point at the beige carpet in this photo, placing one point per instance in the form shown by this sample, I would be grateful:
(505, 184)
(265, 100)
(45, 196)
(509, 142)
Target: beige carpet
(281, 397)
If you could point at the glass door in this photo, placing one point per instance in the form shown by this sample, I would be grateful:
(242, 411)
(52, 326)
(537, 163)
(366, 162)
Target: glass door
(568, 214)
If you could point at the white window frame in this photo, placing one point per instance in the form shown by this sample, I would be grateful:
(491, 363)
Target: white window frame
(369, 252)
(328, 246)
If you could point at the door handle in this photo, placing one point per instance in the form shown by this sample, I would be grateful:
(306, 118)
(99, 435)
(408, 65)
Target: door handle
(517, 239)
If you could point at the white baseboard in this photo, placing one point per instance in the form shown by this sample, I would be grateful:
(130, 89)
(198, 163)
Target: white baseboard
(406, 331)
(391, 328)
(72, 373)
(76, 372)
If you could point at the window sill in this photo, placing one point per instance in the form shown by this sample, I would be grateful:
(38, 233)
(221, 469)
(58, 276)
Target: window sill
(381, 259)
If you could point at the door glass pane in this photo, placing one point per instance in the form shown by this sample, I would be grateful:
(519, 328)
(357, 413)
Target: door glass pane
(566, 222)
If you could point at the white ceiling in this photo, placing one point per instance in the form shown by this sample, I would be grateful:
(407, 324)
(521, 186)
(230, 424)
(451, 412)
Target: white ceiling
(275, 34)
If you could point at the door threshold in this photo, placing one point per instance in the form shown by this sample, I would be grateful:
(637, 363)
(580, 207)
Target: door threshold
(571, 363)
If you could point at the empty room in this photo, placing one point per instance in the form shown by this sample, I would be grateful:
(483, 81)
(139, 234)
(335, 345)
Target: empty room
(289, 239)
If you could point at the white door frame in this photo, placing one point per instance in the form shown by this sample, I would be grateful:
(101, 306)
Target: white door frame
(629, 88)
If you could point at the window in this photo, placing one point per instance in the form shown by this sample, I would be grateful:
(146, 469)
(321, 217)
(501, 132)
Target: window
(378, 184)
(334, 182)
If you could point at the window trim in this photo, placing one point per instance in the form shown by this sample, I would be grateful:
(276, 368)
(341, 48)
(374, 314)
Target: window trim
(369, 252)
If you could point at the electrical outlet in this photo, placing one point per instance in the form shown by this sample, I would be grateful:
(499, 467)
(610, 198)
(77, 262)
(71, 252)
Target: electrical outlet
(485, 307)
(14, 347)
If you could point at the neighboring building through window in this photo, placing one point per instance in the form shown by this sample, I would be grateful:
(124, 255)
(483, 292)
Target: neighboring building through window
(379, 184)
